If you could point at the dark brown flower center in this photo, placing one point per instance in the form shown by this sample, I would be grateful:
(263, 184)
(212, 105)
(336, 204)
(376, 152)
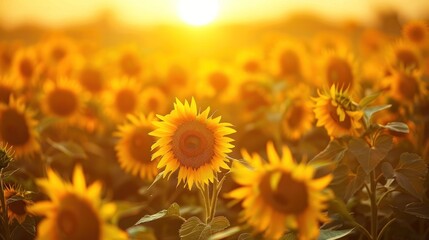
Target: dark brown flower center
(140, 144)
(289, 63)
(92, 80)
(346, 124)
(26, 68)
(14, 127)
(339, 72)
(130, 64)
(193, 144)
(58, 53)
(77, 220)
(126, 101)
(406, 58)
(407, 86)
(251, 66)
(62, 102)
(219, 81)
(5, 93)
(18, 207)
(294, 115)
(289, 196)
(416, 34)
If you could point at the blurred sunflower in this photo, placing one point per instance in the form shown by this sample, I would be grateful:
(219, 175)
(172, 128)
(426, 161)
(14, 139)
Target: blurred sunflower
(91, 78)
(288, 60)
(176, 78)
(63, 98)
(404, 55)
(154, 100)
(75, 211)
(17, 204)
(406, 85)
(337, 113)
(297, 119)
(26, 65)
(192, 142)
(339, 69)
(7, 52)
(9, 86)
(251, 61)
(129, 62)
(416, 32)
(17, 127)
(327, 41)
(134, 146)
(123, 98)
(280, 195)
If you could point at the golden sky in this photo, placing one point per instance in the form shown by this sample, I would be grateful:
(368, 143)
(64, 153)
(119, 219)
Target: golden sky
(57, 13)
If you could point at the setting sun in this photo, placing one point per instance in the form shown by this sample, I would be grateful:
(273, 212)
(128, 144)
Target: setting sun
(198, 12)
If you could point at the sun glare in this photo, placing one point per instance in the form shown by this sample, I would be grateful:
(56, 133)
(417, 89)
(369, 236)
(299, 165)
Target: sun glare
(198, 12)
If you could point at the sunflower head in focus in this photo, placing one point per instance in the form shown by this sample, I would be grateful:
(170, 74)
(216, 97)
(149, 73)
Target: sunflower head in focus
(134, 146)
(416, 32)
(123, 98)
(339, 69)
(154, 100)
(191, 142)
(74, 210)
(64, 99)
(297, 118)
(17, 203)
(280, 195)
(18, 127)
(338, 113)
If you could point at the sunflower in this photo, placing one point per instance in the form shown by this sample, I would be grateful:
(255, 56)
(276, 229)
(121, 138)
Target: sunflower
(337, 113)
(192, 142)
(280, 195)
(91, 78)
(340, 69)
(404, 55)
(416, 32)
(250, 61)
(154, 100)
(123, 98)
(25, 65)
(134, 146)
(17, 204)
(63, 99)
(288, 60)
(297, 119)
(17, 127)
(75, 211)
(9, 86)
(406, 85)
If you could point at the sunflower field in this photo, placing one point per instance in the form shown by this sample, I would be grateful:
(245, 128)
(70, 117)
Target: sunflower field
(297, 129)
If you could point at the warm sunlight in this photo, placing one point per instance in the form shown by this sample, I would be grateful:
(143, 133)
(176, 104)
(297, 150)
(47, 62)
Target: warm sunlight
(198, 12)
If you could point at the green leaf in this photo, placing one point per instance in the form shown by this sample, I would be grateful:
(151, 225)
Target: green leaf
(140, 232)
(418, 209)
(399, 127)
(173, 210)
(157, 178)
(328, 234)
(338, 206)
(410, 172)
(218, 224)
(387, 170)
(369, 111)
(369, 157)
(347, 182)
(227, 233)
(194, 229)
(29, 225)
(332, 154)
(289, 236)
(368, 99)
(70, 149)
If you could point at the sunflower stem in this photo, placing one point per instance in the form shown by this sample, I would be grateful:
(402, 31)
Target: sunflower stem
(203, 191)
(213, 199)
(4, 207)
(373, 200)
(385, 228)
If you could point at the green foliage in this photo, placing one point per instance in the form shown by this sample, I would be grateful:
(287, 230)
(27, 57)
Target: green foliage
(173, 210)
(399, 127)
(140, 232)
(195, 229)
(331, 155)
(369, 111)
(329, 234)
(410, 172)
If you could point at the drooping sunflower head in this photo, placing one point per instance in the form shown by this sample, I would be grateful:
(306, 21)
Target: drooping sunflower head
(339, 69)
(416, 32)
(63, 98)
(134, 146)
(191, 142)
(123, 98)
(338, 113)
(297, 118)
(280, 195)
(17, 127)
(17, 203)
(75, 211)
